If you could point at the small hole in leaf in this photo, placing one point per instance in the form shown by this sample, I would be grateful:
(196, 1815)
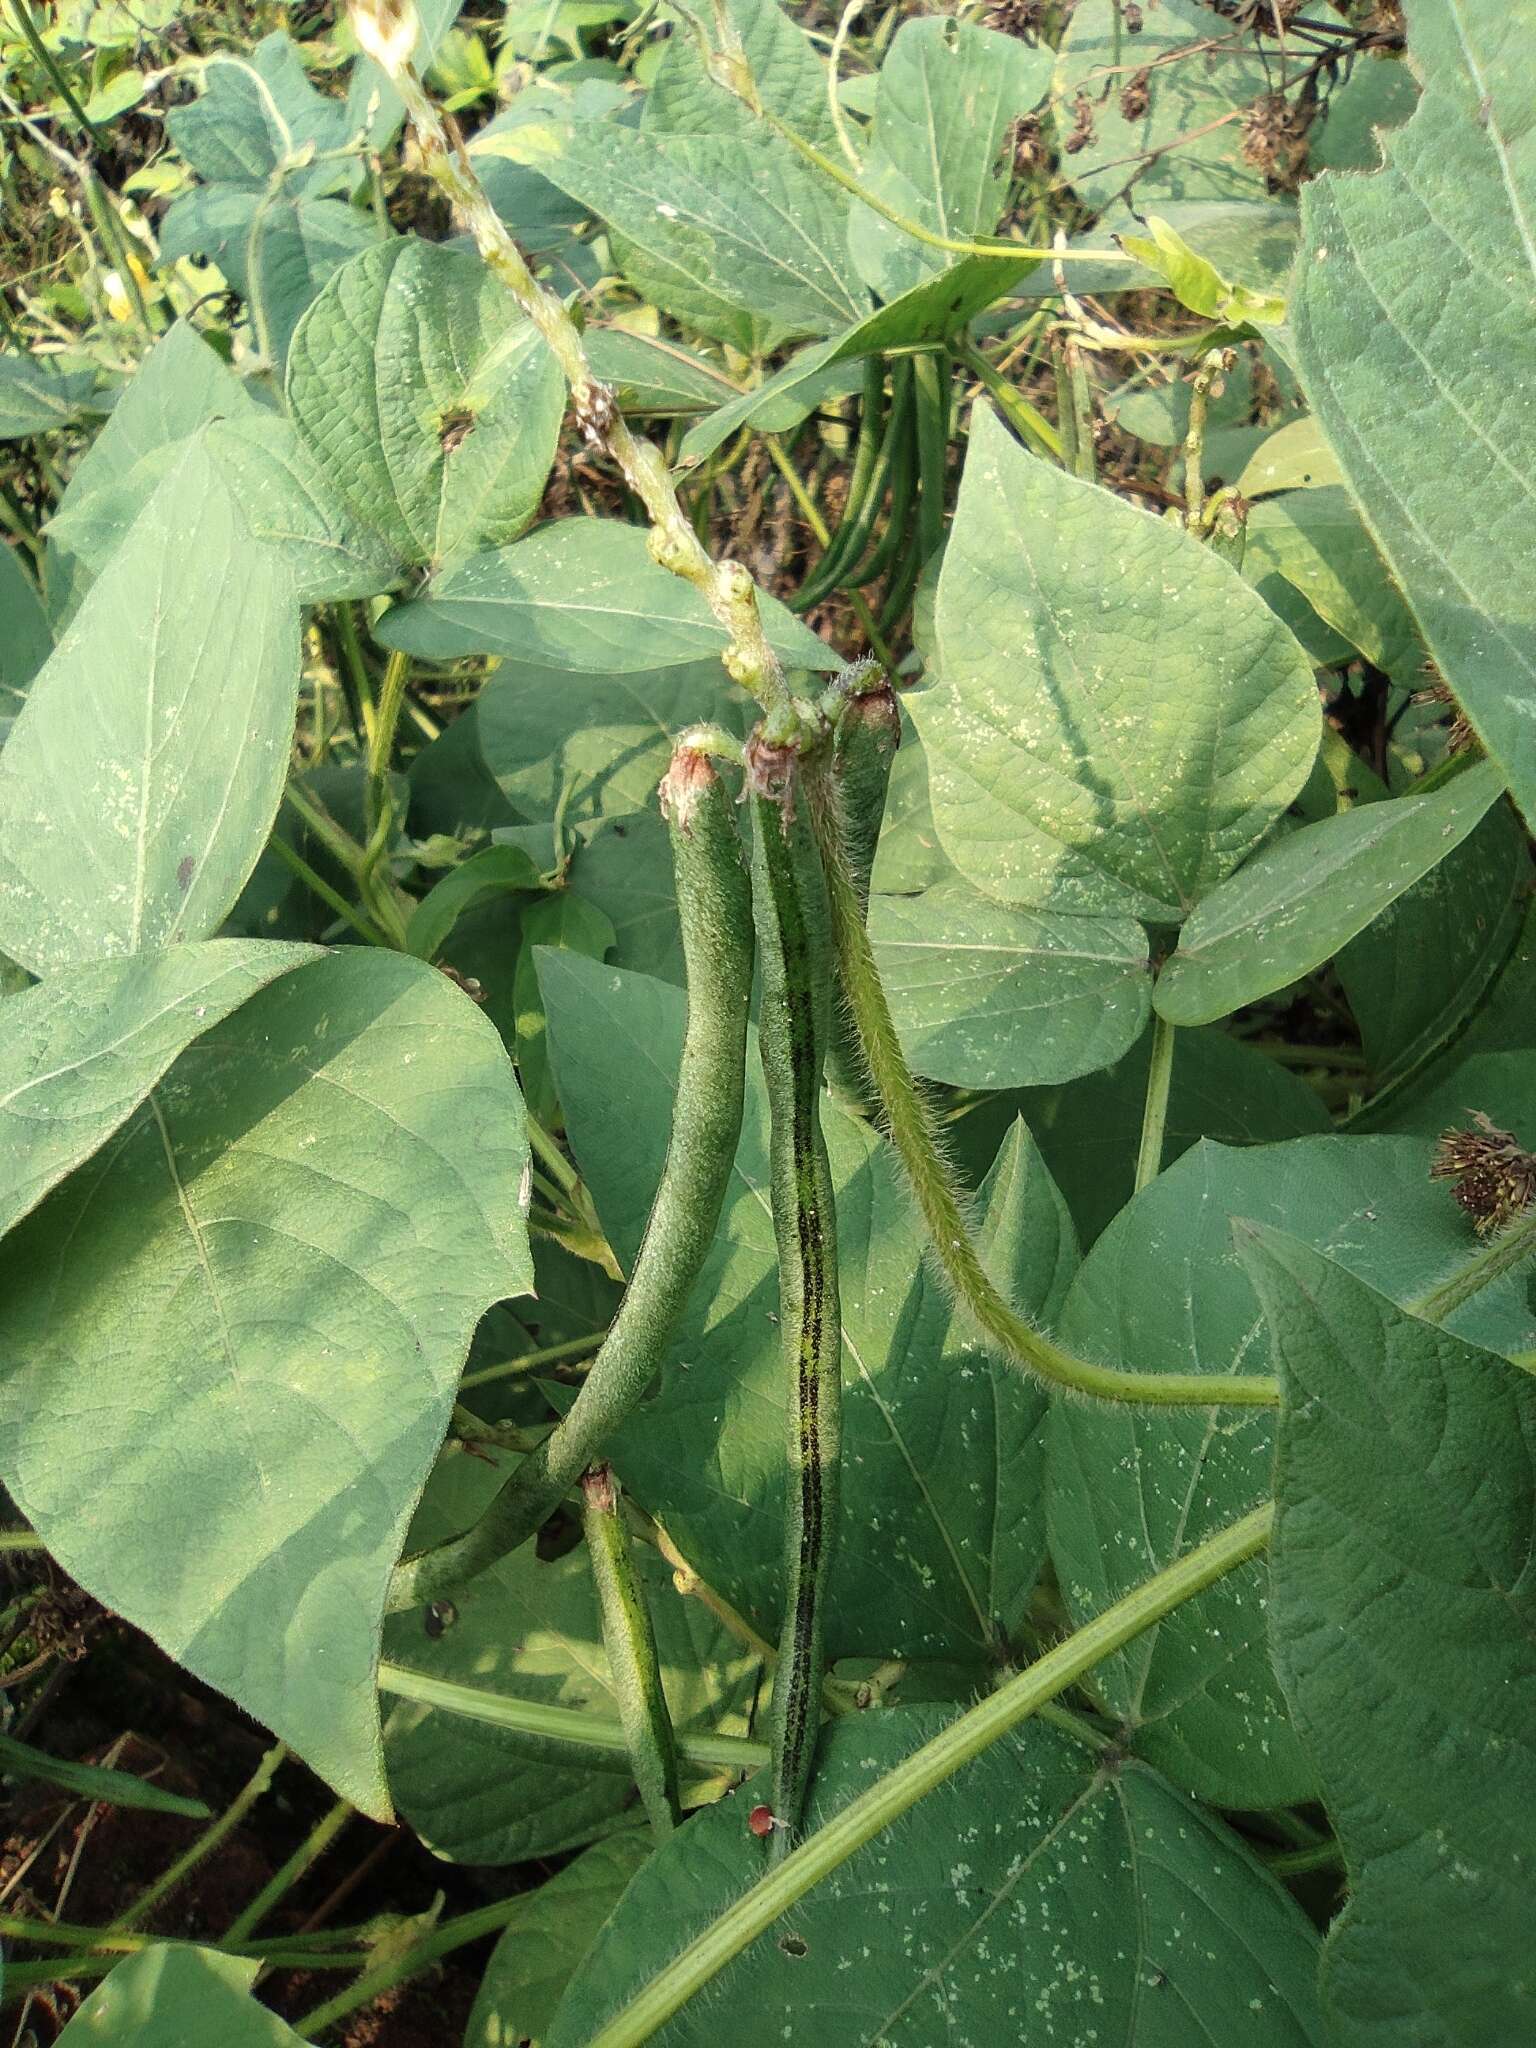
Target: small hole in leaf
(793, 1946)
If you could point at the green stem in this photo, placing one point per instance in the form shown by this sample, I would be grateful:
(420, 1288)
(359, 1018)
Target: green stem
(20, 1539)
(714, 905)
(1085, 461)
(356, 685)
(794, 1025)
(911, 1132)
(282, 1881)
(581, 1733)
(319, 887)
(1154, 1116)
(630, 1642)
(1509, 1249)
(1298, 1862)
(110, 229)
(532, 1361)
(225, 1825)
(929, 1767)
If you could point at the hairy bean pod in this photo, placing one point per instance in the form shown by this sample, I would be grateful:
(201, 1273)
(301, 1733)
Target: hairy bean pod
(865, 736)
(789, 902)
(714, 904)
(630, 1643)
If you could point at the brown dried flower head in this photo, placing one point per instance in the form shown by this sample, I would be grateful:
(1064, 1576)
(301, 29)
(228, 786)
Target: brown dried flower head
(1136, 95)
(1495, 1176)
(1017, 17)
(1082, 125)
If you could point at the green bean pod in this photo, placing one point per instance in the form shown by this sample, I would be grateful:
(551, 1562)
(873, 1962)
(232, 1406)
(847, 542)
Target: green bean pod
(865, 736)
(789, 901)
(715, 907)
(630, 1643)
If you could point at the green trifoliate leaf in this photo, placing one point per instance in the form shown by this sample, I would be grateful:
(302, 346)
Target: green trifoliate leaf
(1101, 741)
(1433, 258)
(229, 1348)
(1310, 893)
(1403, 1606)
(141, 779)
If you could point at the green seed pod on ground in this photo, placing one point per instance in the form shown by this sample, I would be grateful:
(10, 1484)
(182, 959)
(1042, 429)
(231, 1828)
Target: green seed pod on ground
(790, 905)
(715, 908)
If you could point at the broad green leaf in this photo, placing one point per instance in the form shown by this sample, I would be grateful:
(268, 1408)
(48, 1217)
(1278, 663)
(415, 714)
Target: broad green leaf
(931, 311)
(495, 871)
(1489, 1067)
(625, 868)
(544, 1943)
(1190, 86)
(733, 235)
(1380, 92)
(950, 92)
(909, 857)
(252, 1312)
(1404, 1614)
(579, 594)
(652, 375)
(142, 776)
(276, 251)
(1034, 1896)
(1433, 257)
(176, 1996)
(790, 77)
(83, 1049)
(1309, 893)
(560, 922)
(179, 387)
(1101, 743)
(529, 1631)
(941, 1534)
(26, 640)
(987, 997)
(429, 402)
(92, 1781)
(294, 510)
(589, 745)
(1314, 539)
(37, 396)
(1088, 1130)
(1417, 972)
(259, 115)
(1295, 457)
(1130, 1490)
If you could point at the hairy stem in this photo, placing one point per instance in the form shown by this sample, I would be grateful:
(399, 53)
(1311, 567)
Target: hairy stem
(911, 1133)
